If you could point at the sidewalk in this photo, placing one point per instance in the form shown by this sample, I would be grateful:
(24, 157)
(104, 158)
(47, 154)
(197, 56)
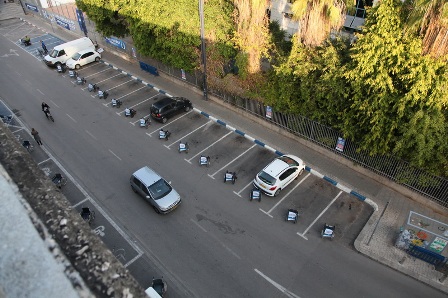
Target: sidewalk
(377, 238)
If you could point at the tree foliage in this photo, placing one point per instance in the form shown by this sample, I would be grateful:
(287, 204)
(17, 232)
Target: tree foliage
(396, 93)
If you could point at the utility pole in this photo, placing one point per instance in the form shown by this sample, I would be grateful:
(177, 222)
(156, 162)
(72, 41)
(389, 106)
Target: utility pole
(203, 54)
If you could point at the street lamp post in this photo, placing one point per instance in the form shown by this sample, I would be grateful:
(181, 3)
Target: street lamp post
(203, 54)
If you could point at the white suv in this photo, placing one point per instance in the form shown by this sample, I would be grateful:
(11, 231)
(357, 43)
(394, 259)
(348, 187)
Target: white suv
(278, 174)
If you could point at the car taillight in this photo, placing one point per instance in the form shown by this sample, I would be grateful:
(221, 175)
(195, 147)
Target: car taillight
(273, 188)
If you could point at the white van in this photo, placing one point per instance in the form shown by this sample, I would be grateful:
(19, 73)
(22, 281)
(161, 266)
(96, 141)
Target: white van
(61, 53)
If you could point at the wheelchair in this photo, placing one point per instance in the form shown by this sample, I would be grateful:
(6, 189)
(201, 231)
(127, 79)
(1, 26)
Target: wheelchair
(204, 160)
(80, 80)
(72, 73)
(145, 122)
(59, 180)
(230, 176)
(292, 215)
(183, 147)
(328, 231)
(28, 146)
(103, 94)
(87, 214)
(116, 103)
(255, 194)
(164, 134)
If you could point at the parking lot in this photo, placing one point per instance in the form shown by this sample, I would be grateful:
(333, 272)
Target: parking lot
(316, 200)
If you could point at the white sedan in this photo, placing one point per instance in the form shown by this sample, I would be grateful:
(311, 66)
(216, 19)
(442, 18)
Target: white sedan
(82, 58)
(278, 174)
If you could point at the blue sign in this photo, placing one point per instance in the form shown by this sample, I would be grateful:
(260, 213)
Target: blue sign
(81, 21)
(62, 23)
(116, 42)
(268, 112)
(31, 7)
(340, 144)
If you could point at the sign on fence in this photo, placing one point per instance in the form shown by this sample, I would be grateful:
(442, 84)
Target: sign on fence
(116, 42)
(32, 7)
(340, 144)
(269, 112)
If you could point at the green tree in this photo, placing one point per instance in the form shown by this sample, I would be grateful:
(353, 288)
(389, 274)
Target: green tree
(397, 93)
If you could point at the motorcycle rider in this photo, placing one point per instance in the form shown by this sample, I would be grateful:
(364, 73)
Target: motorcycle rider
(26, 40)
(45, 109)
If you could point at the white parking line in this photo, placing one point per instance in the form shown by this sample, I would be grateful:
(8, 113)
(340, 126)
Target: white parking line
(178, 140)
(239, 193)
(71, 118)
(278, 203)
(125, 95)
(319, 216)
(189, 160)
(111, 88)
(230, 162)
(172, 121)
(91, 135)
(119, 113)
(196, 223)
(114, 154)
(281, 288)
(44, 161)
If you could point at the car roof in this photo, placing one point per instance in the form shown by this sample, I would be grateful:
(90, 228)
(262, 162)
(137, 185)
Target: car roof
(278, 165)
(86, 51)
(147, 176)
(163, 102)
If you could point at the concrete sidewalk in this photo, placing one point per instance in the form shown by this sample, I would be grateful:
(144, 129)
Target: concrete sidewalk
(377, 238)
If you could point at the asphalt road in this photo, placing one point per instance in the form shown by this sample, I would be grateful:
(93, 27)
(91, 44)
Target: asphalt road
(215, 244)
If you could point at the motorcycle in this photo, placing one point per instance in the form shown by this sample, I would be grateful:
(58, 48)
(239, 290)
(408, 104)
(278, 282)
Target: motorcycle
(87, 214)
(25, 42)
(28, 146)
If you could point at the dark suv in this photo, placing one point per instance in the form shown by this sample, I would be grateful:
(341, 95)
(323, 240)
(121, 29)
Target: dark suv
(167, 107)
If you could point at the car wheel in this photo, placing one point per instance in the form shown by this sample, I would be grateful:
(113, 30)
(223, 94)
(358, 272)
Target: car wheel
(97, 59)
(187, 108)
(164, 120)
(277, 192)
(156, 210)
(77, 66)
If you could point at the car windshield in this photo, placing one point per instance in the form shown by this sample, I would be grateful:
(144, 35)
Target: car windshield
(54, 53)
(289, 161)
(76, 56)
(159, 189)
(266, 178)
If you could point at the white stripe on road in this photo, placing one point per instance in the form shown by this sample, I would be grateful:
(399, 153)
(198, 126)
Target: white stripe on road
(230, 162)
(71, 118)
(279, 287)
(178, 140)
(278, 203)
(114, 154)
(189, 160)
(91, 135)
(319, 216)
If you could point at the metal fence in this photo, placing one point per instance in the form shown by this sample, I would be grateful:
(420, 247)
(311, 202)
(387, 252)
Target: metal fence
(433, 187)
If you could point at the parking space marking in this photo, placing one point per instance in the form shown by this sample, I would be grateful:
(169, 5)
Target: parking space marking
(71, 118)
(220, 139)
(178, 140)
(278, 203)
(80, 202)
(319, 216)
(40, 92)
(196, 223)
(113, 87)
(172, 121)
(281, 288)
(230, 162)
(19, 129)
(99, 81)
(106, 104)
(91, 135)
(114, 154)
(239, 193)
(119, 113)
(39, 163)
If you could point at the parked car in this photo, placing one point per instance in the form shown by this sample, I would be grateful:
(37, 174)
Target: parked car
(278, 174)
(82, 58)
(156, 190)
(167, 107)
